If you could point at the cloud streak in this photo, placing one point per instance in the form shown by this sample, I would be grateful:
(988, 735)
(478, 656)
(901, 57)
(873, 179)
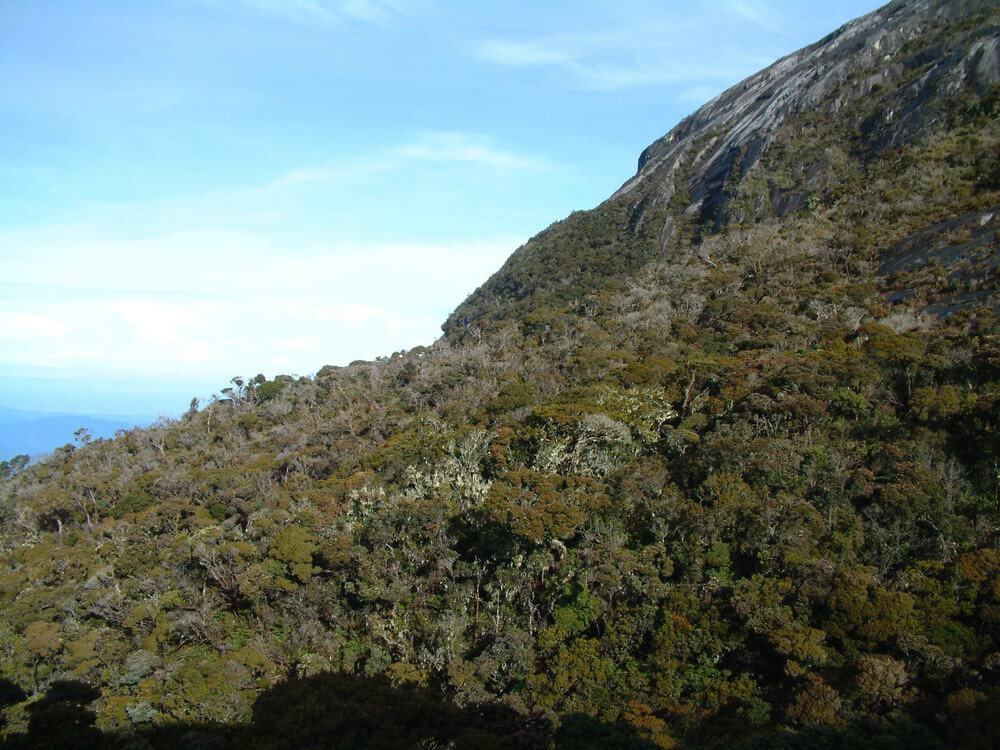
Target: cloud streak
(325, 12)
(428, 148)
(320, 192)
(659, 47)
(510, 52)
(758, 12)
(587, 69)
(464, 147)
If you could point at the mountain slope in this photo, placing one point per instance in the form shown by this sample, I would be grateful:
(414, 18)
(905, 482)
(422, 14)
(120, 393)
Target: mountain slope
(806, 129)
(714, 464)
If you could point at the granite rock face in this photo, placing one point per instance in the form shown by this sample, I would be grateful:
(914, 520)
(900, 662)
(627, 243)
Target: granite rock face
(789, 139)
(918, 50)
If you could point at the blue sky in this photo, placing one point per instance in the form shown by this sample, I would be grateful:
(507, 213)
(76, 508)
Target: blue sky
(194, 189)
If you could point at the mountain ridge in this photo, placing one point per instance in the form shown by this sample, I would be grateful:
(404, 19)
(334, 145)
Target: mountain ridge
(807, 78)
(900, 55)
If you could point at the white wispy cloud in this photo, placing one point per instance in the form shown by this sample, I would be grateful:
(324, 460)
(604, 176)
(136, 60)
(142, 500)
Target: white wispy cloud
(376, 11)
(656, 47)
(427, 148)
(465, 147)
(759, 12)
(587, 66)
(510, 52)
(310, 188)
(326, 12)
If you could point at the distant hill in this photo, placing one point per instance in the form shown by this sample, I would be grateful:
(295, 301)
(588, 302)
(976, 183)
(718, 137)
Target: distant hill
(35, 433)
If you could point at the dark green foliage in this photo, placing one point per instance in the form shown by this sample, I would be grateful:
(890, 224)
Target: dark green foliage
(134, 502)
(13, 467)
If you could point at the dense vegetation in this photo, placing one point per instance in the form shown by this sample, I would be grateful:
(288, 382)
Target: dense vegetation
(739, 488)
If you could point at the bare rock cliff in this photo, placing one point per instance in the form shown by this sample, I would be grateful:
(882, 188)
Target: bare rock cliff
(918, 51)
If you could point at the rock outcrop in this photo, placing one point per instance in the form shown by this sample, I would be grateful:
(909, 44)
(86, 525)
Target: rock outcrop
(912, 52)
(807, 132)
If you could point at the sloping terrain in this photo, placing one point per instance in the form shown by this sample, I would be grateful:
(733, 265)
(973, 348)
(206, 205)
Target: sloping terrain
(714, 464)
(811, 131)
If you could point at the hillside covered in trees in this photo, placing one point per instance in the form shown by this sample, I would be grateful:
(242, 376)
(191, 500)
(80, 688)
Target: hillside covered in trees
(714, 464)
